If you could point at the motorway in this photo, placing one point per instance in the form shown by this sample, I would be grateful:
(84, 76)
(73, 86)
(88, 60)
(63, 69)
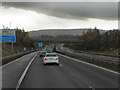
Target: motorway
(68, 74)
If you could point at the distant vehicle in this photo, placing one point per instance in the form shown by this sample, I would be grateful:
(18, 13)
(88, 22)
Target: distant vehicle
(51, 58)
(42, 53)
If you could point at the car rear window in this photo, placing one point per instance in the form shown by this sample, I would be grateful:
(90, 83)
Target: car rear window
(51, 55)
(44, 53)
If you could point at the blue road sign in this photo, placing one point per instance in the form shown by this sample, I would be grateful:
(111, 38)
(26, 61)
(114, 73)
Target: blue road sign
(24, 48)
(32, 48)
(7, 35)
(40, 44)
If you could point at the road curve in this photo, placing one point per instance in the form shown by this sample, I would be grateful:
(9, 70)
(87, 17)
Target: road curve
(68, 74)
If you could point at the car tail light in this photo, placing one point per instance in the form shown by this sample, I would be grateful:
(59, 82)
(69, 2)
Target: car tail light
(56, 58)
(46, 59)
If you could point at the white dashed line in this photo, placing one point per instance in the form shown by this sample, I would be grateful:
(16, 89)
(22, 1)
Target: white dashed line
(61, 65)
(91, 87)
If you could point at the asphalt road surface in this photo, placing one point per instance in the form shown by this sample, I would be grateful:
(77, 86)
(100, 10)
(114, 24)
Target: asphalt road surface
(68, 74)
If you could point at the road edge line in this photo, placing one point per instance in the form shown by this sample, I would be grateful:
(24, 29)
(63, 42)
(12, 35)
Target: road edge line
(90, 64)
(13, 61)
(24, 73)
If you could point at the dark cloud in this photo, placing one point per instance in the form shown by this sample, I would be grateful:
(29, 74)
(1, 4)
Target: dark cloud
(70, 10)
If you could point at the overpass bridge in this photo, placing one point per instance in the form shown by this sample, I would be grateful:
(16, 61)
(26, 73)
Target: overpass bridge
(59, 40)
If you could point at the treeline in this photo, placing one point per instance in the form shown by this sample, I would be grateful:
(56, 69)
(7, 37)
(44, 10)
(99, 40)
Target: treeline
(56, 38)
(23, 39)
(94, 40)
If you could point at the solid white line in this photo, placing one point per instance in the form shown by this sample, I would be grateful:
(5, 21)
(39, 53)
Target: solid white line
(89, 64)
(24, 73)
(12, 61)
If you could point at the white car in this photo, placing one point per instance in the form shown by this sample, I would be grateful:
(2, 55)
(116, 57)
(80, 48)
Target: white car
(50, 58)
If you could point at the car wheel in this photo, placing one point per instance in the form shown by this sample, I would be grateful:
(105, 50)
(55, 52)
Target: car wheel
(57, 63)
(44, 63)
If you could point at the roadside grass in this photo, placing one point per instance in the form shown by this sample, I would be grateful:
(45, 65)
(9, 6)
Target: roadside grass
(8, 50)
(17, 49)
(106, 52)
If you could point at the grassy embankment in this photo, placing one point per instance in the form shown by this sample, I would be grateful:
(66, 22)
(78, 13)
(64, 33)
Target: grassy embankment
(17, 49)
(106, 52)
(8, 50)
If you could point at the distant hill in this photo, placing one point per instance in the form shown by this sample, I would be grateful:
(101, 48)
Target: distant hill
(56, 32)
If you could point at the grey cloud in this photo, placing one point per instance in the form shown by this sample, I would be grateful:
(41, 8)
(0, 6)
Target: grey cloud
(71, 10)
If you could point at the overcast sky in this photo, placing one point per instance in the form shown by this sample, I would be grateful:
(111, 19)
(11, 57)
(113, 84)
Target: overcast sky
(48, 15)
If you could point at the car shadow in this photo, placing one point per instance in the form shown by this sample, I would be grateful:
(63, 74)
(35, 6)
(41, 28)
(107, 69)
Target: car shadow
(51, 64)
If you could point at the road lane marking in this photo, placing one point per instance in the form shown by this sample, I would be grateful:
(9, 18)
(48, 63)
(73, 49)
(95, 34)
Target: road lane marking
(91, 87)
(13, 61)
(24, 73)
(61, 65)
(89, 64)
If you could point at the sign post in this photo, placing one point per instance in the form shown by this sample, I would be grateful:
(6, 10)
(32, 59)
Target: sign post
(12, 47)
(8, 35)
(24, 48)
(32, 48)
(4, 45)
(39, 44)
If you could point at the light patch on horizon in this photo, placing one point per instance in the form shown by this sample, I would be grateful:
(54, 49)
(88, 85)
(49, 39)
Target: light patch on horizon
(30, 20)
